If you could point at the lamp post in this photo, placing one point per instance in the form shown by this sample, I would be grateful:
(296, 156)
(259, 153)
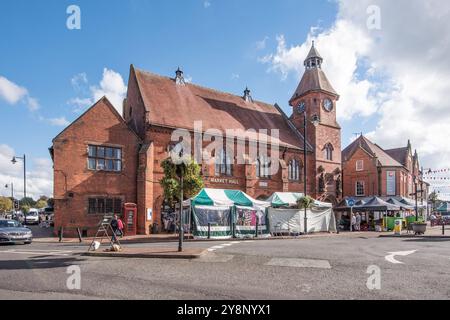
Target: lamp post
(180, 169)
(315, 120)
(24, 159)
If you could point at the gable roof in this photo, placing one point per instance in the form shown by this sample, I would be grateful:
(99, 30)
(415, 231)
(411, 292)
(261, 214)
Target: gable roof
(179, 106)
(384, 159)
(104, 100)
(313, 79)
(399, 154)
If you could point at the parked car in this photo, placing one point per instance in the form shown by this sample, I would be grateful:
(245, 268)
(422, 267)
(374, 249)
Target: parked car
(11, 231)
(32, 217)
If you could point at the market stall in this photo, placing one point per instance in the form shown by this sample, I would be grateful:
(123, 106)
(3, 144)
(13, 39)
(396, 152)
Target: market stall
(286, 219)
(222, 214)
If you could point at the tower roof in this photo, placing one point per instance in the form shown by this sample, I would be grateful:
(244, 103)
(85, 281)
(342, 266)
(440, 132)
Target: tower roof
(314, 79)
(313, 53)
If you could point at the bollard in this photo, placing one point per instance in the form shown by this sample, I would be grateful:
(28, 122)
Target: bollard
(443, 228)
(257, 223)
(234, 230)
(209, 231)
(79, 235)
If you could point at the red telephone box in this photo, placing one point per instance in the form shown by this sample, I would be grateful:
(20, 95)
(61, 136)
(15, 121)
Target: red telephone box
(130, 218)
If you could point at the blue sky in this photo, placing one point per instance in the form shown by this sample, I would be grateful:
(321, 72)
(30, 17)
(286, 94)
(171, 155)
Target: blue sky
(222, 44)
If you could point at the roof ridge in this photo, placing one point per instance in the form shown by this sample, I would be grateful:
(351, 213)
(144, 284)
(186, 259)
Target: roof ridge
(203, 87)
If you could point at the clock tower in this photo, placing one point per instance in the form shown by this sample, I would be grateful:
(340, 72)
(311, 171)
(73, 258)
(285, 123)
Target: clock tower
(316, 97)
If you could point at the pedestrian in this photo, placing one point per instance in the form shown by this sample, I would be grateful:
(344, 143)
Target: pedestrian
(358, 222)
(352, 222)
(120, 227)
(114, 227)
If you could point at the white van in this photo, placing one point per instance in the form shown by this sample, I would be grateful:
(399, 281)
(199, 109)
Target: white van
(32, 217)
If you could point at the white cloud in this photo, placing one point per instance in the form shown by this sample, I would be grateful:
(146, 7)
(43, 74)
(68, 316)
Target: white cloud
(59, 122)
(235, 76)
(12, 93)
(206, 4)
(261, 45)
(39, 178)
(397, 77)
(111, 85)
(79, 82)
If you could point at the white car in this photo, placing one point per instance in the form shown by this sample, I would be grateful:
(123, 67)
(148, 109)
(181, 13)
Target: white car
(32, 217)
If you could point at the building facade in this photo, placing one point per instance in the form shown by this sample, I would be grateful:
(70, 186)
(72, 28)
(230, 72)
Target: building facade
(369, 170)
(156, 108)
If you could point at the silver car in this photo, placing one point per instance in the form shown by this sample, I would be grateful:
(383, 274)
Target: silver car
(12, 231)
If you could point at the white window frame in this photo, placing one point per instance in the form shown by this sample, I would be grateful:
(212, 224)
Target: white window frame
(360, 168)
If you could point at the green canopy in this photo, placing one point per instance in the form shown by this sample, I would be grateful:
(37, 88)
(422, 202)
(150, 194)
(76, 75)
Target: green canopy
(444, 207)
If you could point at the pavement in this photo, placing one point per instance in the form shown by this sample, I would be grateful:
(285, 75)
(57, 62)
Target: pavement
(334, 267)
(152, 253)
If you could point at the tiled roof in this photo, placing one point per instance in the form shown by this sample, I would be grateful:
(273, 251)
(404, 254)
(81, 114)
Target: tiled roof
(179, 106)
(399, 154)
(314, 79)
(384, 159)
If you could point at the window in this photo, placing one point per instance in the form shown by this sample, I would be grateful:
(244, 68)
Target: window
(328, 152)
(223, 164)
(360, 188)
(294, 170)
(102, 205)
(263, 165)
(104, 158)
(359, 165)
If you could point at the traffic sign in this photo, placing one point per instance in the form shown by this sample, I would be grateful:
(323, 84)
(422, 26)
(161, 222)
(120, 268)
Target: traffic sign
(351, 202)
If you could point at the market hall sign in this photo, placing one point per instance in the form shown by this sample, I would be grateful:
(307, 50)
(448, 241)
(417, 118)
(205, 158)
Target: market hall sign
(224, 181)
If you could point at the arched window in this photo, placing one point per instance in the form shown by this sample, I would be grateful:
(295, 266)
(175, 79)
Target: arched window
(223, 164)
(328, 152)
(263, 167)
(294, 170)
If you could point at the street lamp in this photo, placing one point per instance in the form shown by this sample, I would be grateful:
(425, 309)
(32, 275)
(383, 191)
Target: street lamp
(180, 170)
(315, 120)
(24, 159)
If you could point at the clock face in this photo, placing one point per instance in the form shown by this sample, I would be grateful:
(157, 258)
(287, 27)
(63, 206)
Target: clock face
(328, 105)
(301, 107)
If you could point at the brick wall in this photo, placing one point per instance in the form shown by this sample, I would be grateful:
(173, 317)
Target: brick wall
(74, 183)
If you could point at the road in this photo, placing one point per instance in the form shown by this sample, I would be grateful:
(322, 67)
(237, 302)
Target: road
(317, 268)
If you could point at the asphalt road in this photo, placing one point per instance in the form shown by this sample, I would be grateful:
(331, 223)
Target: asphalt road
(317, 268)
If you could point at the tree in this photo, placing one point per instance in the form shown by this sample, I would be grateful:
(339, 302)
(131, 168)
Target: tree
(51, 202)
(41, 204)
(44, 198)
(25, 208)
(28, 201)
(192, 181)
(305, 202)
(434, 199)
(5, 204)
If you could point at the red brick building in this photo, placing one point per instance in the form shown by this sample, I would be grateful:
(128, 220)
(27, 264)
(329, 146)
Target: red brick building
(140, 140)
(369, 170)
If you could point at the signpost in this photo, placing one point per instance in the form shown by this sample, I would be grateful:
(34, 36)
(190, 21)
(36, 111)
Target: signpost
(351, 204)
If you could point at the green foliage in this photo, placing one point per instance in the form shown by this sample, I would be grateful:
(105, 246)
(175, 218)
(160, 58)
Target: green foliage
(51, 202)
(25, 208)
(41, 204)
(28, 201)
(192, 181)
(5, 204)
(305, 202)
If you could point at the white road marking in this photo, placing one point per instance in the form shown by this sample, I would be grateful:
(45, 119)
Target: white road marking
(215, 258)
(217, 247)
(391, 256)
(299, 263)
(39, 252)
